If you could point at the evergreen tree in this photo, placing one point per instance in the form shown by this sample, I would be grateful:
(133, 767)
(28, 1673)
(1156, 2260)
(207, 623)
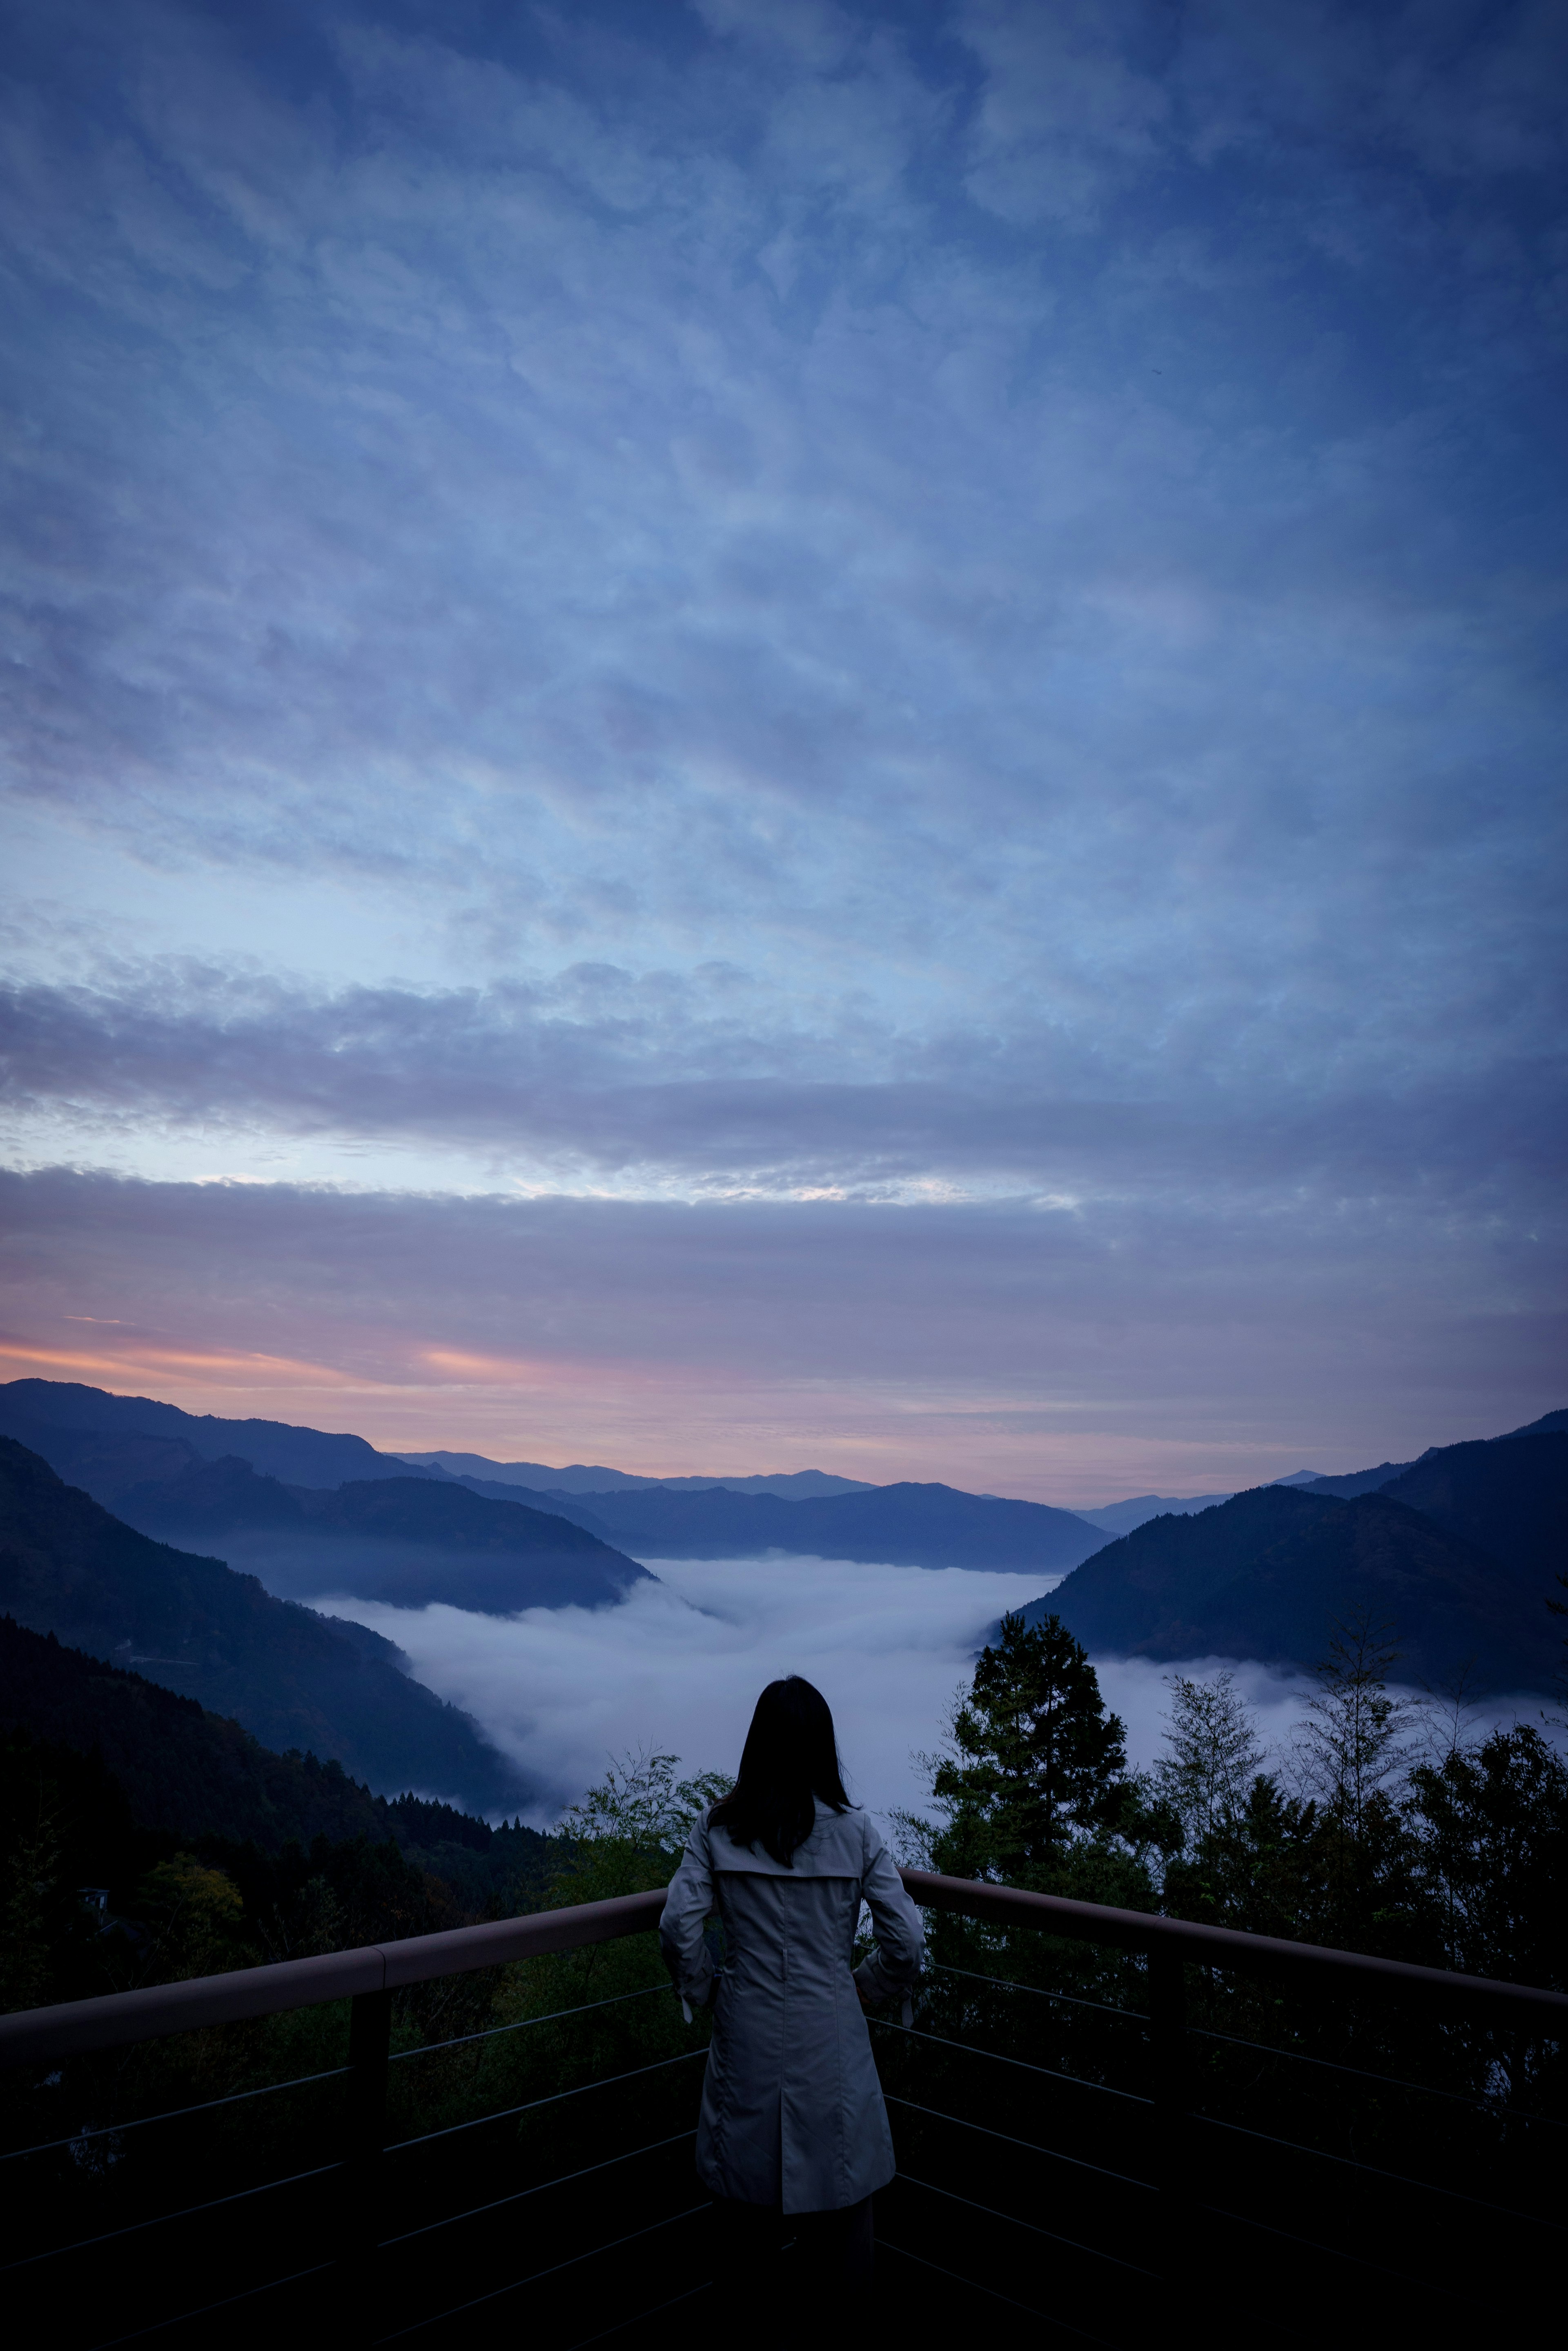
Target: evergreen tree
(1036, 1762)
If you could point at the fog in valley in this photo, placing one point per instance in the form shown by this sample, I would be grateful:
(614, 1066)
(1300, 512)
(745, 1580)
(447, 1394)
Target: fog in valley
(678, 1663)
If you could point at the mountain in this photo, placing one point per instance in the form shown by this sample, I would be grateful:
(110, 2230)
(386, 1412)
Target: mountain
(1357, 1481)
(1267, 1573)
(585, 1477)
(142, 1796)
(1549, 1424)
(1510, 1496)
(34, 1410)
(1378, 1480)
(181, 1767)
(1121, 1518)
(903, 1525)
(402, 1541)
(291, 1678)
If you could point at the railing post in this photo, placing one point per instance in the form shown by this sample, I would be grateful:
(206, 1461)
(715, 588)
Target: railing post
(364, 2131)
(1167, 2048)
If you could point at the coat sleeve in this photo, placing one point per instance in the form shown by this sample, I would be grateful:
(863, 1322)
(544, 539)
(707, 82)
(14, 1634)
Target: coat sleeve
(686, 1912)
(895, 1964)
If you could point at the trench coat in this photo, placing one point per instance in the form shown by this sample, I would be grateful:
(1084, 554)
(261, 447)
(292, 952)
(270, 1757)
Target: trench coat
(793, 2111)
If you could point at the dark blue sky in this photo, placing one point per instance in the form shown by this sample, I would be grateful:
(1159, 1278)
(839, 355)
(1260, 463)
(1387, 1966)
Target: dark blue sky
(861, 707)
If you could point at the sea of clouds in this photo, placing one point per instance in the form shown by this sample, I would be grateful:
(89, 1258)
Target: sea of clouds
(678, 1663)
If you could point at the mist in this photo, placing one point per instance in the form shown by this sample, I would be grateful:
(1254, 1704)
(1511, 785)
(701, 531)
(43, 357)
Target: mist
(678, 1663)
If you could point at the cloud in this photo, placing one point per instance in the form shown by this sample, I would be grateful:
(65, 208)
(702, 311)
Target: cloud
(689, 1082)
(1072, 1355)
(678, 1666)
(796, 609)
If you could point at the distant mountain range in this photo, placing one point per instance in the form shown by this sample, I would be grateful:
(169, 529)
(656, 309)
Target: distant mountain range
(394, 1540)
(307, 1456)
(902, 1525)
(409, 1534)
(1457, 1549)
(1121, 1518)
(1455, 1552)
(293, 1678)
(591, 1477)
(402, 1536)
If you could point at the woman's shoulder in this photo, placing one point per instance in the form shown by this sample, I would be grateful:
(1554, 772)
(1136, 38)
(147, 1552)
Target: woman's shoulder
(842, 1844)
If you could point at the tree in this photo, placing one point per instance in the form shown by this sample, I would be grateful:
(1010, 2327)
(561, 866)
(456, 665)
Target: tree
(626, 1834)
(1258, 1866)
(1491, 1824)
(1353, 1750)
(1353, 1741)
(1034, 1763)
(194, 1916)
(1215, 1754)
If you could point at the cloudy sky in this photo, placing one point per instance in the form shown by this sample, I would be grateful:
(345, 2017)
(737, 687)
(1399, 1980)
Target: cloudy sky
(747, 733)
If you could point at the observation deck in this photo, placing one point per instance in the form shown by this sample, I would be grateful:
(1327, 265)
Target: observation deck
(1102, 2120)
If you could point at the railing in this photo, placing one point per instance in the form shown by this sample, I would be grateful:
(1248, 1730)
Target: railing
(1191, 2169)
(1085, 2171)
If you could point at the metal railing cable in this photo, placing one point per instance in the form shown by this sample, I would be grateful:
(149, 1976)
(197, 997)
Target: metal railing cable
(1016, 2221)
(520, 2195)
(1024, 2064)
(210, 2309)
(1033, 2147)
(532, 2105)
(1489, 2106)
(174, 2113)
(165, 2219)
(1388, 2081)
(623, 2326)
(1370, 2171)
(534, 2277)
(993, 2294)
(1041, 1992)
(521, 2024)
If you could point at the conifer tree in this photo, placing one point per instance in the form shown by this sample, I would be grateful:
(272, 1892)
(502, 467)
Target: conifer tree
(1037, 1761)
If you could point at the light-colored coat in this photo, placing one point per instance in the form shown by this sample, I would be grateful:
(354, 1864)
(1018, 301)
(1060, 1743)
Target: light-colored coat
(793, 2111)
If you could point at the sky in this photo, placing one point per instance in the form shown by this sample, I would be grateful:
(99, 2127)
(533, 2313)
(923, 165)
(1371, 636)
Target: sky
(752, 735)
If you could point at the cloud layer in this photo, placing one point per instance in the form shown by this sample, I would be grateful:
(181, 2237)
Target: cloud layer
(678, 1666)
(953, 612)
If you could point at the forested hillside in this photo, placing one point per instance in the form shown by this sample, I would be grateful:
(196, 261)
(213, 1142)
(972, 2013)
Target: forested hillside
(292, 1677)
(1266, 1575)
(111, 1783)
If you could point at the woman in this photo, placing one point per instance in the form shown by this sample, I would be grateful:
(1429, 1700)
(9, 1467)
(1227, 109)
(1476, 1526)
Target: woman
(792, 2120)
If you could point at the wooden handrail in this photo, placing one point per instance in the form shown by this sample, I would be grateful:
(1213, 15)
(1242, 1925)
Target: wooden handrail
(35, 2035)
(39, 2035)
(1228, 1946)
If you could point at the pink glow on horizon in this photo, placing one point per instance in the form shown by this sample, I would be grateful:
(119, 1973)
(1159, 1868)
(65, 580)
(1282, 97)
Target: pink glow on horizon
(658, 1421)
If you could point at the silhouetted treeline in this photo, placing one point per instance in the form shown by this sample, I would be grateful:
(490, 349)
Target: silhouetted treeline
(144, 1839)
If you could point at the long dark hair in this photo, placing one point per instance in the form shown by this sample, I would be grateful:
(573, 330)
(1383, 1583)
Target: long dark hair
(791, 1756)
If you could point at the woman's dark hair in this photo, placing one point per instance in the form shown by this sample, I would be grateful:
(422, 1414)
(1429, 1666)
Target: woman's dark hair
(791, 1756)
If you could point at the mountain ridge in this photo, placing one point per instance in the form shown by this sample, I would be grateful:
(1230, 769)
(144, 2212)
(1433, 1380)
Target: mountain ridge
(905, 1524)
(402, 1541)
(69, 1567)
(1267, 1573)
